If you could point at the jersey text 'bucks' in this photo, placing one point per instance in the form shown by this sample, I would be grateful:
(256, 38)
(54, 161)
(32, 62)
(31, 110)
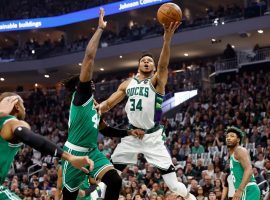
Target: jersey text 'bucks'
(143, 107)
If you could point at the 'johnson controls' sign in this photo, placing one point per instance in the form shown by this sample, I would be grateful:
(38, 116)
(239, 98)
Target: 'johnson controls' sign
(75, 17)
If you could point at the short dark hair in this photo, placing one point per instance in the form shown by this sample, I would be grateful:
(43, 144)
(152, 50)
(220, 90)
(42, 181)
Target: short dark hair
(146, 54)
(71, 83)
(240, 134)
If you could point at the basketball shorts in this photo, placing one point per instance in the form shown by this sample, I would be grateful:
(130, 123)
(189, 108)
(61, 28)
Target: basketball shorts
(152, 146)
(251, 192)
(73, 177)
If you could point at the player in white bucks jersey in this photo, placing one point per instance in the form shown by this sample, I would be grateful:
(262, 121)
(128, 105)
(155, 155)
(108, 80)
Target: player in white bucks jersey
(145, 94)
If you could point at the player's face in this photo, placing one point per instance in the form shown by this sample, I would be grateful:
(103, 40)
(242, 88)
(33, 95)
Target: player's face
(231, 139)
(146, 65)
(20, 109)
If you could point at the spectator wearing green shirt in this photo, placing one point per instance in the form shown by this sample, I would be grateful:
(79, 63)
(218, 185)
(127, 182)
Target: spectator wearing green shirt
(197, 148)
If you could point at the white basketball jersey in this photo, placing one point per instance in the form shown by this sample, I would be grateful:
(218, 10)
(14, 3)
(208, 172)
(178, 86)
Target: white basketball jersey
(143, 107)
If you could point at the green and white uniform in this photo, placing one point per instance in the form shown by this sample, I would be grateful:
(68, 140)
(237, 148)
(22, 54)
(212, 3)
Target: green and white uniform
(8, 152)
(142, 107)
(251, 191)
(82, 141)
(85, 185)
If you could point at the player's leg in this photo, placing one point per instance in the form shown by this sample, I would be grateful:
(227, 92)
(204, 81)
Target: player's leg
(126, 152)
(71, 177)
(157, 154)
(104, 171)
(6, 194)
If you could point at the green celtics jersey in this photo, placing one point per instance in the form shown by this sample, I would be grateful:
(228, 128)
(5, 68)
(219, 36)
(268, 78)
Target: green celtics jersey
(143, 106)
(8, 151)
(83, 124)
(237, 172)
(85, 185)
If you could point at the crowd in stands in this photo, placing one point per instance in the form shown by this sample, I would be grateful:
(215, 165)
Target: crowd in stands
(33, 49)
(195, 139)
(25, 9)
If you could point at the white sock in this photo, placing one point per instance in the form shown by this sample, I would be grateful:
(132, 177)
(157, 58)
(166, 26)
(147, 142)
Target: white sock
(174, 185)
(95, 194)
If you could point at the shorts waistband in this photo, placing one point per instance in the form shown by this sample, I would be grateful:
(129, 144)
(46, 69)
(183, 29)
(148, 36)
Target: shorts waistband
(148, 131)
(77, 148)
(251, 183)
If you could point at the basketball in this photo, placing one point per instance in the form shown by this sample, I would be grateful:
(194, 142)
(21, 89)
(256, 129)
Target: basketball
(169, 12)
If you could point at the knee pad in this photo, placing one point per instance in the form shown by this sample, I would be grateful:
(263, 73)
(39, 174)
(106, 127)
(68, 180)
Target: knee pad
(112, 179)
(67, 195)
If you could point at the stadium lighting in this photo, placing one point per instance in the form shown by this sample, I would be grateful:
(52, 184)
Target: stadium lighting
(47, 76)
(186, 54)
(33, 51)
(213, 40)
(260, 31)
(2, 79)
(222, 23)
(233, 46)
(101, 69)
(80, 64)
(36, 84)
(120, 56)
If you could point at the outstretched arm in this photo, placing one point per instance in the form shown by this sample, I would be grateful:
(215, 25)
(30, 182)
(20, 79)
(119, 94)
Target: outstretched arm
(91, 50)
(114, 99)
(108, 131)
(160, 78)
(19, 131)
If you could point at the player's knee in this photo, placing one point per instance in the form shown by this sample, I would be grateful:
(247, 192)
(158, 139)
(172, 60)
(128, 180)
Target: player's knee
(112, 179)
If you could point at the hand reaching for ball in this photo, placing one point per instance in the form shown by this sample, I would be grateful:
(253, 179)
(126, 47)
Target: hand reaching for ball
(169, 31)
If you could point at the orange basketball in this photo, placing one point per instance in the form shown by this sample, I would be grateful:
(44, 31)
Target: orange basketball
(169, 12)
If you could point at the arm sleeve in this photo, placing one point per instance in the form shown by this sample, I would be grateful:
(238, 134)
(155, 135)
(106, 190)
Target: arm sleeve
(83, 93)
(113, 132)
(38, 142)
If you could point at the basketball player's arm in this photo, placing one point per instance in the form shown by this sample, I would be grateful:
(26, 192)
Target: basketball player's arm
(7, 104)
(16, 131)
(58, 194)
(225, 189)
(242, 156)
(160, 78)
(108, 131)
(84, 90)
(91, 50)
(114, 99)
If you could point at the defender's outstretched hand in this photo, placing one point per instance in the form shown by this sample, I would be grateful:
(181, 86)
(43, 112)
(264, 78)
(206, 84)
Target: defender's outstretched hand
(101, 23)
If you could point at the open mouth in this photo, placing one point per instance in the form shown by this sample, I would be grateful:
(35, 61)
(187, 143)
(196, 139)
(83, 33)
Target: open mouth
(146, 66)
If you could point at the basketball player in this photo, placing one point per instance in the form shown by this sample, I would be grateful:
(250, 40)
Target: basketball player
(83, 130)
(240, 167)
(7, 104)
(13, 131)
(145, 95)
(84, 191)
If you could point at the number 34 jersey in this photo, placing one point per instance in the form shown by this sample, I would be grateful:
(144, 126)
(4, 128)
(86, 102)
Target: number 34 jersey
(83, 124)
(143, 106)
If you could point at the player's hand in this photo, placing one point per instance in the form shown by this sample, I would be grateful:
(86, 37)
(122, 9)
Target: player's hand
(137, 133)
(7, 105)
(169, 31)
(237, 195)
(102, 107)
(101, 23)
(81, 193)
(81, 162)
